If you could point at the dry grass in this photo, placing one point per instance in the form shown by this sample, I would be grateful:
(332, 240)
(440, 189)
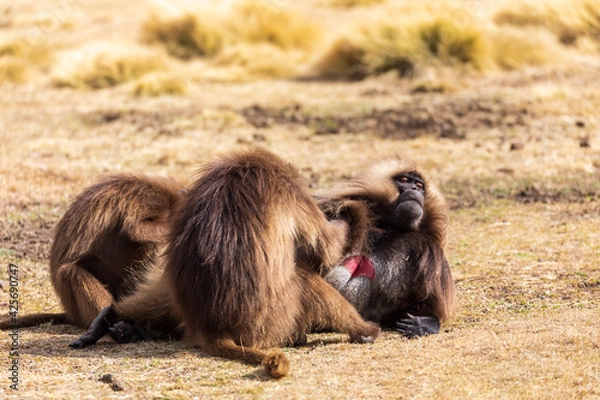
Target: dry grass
(13, 69)
(261, 60)
(354, 3)
(569, 20)
(405, 44)
(522, 184)
(515, 48)
(410, 40)
(249, 38)
(205, 32)
(19, 60)
(255, 21)
(190, 35)
(103, 65)
(158, 84)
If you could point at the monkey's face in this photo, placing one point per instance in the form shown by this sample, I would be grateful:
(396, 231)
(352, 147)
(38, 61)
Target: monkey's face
(406, 211)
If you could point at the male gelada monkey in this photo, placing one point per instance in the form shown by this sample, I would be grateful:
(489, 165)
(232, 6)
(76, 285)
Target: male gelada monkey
(399, 277)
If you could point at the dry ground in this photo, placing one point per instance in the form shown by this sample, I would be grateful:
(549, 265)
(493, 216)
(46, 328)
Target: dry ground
(517, 154)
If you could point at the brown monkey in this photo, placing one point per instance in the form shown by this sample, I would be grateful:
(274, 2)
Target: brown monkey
(243, 265)
(104, 244)
(399, 277)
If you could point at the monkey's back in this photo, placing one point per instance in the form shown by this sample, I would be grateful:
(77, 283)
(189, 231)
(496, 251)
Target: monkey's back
(96, 231)
(230, 262)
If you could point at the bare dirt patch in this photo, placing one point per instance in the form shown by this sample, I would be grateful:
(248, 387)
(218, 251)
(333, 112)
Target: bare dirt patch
(438, 117)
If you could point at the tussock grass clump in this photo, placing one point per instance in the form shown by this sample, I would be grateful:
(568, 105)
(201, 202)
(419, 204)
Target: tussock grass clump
(515, 47)
(18, 59)
(354, 3)
(261, 60)
(13, 69)
(158, 84)
(100, 66)
(404, 46)
(186, 36)
(567, 19)
(206, 33)
(254, 21)
(249, 38)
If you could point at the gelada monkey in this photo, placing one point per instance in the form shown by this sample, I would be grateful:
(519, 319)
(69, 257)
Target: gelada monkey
(110, 235)
(243, 266)
(399, 277)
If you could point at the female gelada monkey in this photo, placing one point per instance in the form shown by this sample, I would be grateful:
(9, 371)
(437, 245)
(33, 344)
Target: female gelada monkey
(103, 246)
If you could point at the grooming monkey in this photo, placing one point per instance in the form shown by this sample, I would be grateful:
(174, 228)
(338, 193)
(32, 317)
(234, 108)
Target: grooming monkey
(103, 246)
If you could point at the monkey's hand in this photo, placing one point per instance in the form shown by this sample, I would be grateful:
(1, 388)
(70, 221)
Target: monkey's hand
(413, 326)
(124, 332)
(98, 328)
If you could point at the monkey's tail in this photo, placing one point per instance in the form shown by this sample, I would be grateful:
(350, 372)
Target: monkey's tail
(23, 321)
(276, 363)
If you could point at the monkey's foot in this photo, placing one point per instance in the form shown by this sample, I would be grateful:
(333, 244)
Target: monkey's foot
(369, 335)
(276, 365)
(413, 326)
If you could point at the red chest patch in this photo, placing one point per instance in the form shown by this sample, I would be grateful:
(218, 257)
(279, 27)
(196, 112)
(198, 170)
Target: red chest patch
(359, 266)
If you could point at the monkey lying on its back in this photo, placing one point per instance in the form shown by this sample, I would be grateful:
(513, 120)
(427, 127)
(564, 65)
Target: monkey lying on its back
(399, 277)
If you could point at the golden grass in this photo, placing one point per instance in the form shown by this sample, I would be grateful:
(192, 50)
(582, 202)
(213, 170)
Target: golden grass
(404, 44)
(569, 20)
(206, 32)
(243, 40)
(103, 65)
(354, 3)
(250, 39)
(254, 21)
(189, 35)
(261, 60)
(514, 48)
(158, 84)
(407, 40)
(13, 69)
(20, 59)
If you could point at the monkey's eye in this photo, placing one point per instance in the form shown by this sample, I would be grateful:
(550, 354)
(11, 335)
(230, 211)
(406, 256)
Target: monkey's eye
(420, 185)
(403, 179)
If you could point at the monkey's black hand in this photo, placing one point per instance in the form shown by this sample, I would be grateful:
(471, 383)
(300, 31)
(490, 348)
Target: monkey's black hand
(97, 329)
(129, 332)
(413, 326)
(124, 332)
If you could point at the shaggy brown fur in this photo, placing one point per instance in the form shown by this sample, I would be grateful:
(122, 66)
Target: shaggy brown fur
(104, 244)
(408, 284)
(244, 262)
(243, 267)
